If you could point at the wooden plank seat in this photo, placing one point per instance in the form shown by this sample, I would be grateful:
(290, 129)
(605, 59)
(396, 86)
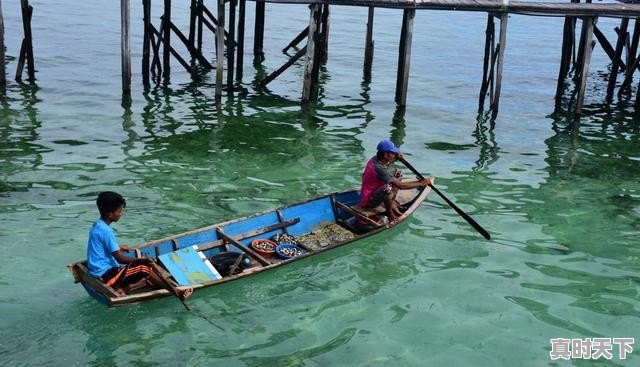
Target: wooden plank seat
(403, 197)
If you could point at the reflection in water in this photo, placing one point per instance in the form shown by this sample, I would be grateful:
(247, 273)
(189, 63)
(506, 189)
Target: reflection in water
(19, 124)
(486, 141)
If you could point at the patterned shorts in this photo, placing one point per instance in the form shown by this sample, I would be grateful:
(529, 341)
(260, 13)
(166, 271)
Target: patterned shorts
(382, 194)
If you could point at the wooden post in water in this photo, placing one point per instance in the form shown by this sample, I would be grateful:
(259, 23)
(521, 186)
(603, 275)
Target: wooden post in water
(632, 59)
(493, 63)
(166, 40)
(220, 50)
(324, 42)
(26, 49)
(404, 56)
(146, 41)
(502, 44)
(311, 59)
(587, 35)
(487, 76)
(240, 42)
(368, 45)
(125, 44)
(615, 65)
(193, 19)
(231, 48)
(200, 5)
(568, 39)
(3, 70)
(258, 37)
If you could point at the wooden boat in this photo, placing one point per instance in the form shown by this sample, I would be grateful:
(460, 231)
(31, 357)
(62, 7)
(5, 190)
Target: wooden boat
(189, 259)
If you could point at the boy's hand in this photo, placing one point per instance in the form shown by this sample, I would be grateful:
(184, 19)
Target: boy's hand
(125, 248)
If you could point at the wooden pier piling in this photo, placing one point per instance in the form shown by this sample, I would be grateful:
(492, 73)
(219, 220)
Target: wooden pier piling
(258, 34)
(404, 56)
(3, 70)
(311, 60)
(240, 40)
(26, 49)
(493, 63)
(146, 42)
(588, 24)
(125, 41)
(622, 38)
(368, 45)
(231, 51)
(220, 50)
(166, 40)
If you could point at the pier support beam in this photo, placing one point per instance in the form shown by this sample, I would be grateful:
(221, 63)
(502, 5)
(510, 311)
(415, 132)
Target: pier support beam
(240, 41)
(146, 42)
(568, 43)
(26, 49)
(588, 24)
(324, 33)
(125, 44)
(368, 46)
(493, 63)
(258, 38)
(311, 67)
(166, 40)
(3, 70)
(622, 38)
(220, 50)
(231, 48)
(404, 56)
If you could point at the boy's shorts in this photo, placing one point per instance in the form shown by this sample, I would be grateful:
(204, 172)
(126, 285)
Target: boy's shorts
(125, 275)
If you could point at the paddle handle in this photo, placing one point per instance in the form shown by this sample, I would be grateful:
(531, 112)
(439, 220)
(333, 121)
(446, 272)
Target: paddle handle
(172, 288)
(464, 215)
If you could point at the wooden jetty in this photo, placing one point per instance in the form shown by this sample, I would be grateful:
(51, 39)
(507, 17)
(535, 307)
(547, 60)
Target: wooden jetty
(229, 43)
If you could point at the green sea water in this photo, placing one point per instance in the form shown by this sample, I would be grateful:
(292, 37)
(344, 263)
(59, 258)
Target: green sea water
(561, 198)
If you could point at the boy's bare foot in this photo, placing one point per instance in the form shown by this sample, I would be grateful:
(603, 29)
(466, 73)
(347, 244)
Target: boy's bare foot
(185, 293)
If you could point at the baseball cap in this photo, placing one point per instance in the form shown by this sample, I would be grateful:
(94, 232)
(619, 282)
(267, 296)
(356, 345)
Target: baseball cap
(387, 146)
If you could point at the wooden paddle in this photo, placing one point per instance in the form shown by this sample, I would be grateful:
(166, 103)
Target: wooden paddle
(464, 215)
(172, 288)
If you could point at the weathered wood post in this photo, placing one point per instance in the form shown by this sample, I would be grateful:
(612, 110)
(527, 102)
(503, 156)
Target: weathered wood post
(193, 19)
(220, 50)
(166, 40)
(502, 44)
(587, 35)
(622, 38)
(324, 42)
(125, 44)
(489, 56)
(493, 63)
(146, 42)
(258, 37)
(240, 42)
(404, 56)
(568, 41)
(26, 49)
(311, 58)
(3, 70)
(231, 49)
(368, 46)
(200, 6)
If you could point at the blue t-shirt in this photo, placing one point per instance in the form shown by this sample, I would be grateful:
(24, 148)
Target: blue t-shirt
(102, 242)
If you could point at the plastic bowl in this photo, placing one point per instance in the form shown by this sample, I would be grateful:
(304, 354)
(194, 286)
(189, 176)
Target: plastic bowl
(288, 251)
(264, 247)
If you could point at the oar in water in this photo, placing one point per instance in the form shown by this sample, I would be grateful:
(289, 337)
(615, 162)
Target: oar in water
(464, 215)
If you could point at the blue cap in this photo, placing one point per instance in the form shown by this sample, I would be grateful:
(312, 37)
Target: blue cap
(387, 146)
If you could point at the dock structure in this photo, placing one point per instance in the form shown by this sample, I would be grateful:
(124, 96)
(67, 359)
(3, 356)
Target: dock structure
(231, 43)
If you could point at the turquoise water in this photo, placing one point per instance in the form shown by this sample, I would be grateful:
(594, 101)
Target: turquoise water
(561, 198)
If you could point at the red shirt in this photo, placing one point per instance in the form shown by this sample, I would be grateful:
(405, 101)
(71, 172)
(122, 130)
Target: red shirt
(374, 176)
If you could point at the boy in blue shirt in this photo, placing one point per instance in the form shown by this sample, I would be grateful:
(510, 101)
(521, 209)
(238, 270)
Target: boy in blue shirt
(106, 259)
